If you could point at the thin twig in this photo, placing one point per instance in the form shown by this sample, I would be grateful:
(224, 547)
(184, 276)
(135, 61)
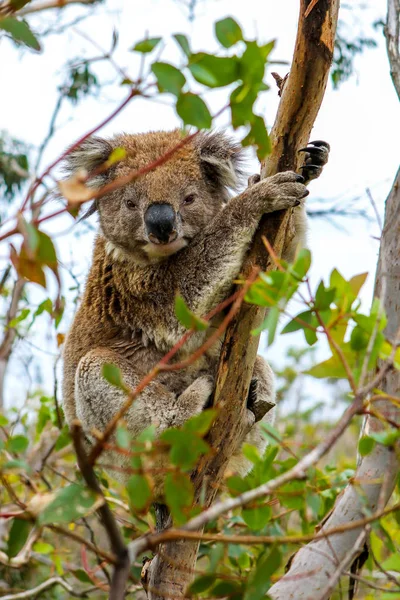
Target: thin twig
(45, 586)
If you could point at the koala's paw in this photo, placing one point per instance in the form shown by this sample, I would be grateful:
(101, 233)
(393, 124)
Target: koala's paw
(316, 155)
(281, 191)
(196, 397)
(258, 405)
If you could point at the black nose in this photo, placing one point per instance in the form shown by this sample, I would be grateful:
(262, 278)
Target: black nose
(160, 221)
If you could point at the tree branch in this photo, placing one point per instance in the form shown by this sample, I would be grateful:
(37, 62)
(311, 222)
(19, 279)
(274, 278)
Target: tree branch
(392, 34)
(51, 4)
(301, 98)
(45, 586)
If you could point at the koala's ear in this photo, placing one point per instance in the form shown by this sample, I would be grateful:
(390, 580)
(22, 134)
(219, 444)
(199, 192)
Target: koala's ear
(222, 159)
(92, 153)
(89, 155)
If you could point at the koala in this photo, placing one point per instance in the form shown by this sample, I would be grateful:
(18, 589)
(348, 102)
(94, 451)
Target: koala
(174, 229)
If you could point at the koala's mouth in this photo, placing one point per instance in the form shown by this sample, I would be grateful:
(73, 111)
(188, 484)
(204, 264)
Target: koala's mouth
(163, 250)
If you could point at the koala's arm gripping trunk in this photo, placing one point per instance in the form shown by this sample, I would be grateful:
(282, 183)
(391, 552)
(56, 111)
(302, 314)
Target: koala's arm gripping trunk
(301, 99)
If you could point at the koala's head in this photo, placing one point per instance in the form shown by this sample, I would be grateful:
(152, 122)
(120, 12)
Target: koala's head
(159, 213)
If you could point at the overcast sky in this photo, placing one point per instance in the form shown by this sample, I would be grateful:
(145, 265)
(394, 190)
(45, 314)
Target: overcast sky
(360, 120)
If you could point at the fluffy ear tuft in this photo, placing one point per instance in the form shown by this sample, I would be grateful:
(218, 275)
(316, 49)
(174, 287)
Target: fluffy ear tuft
(222, 159)
(92, 153)
(89, 155)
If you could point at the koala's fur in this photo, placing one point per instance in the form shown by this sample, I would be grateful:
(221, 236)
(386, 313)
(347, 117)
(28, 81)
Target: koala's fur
(127, 312)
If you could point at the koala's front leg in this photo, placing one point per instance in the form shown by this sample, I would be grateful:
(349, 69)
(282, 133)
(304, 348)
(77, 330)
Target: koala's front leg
(316, 156)
(210, 264)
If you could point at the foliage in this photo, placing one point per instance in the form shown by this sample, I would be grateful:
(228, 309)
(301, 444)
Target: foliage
(14, 165)
(48, 519)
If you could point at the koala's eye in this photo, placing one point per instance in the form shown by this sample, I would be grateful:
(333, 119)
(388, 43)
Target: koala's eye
(130, 203)
(189, 199)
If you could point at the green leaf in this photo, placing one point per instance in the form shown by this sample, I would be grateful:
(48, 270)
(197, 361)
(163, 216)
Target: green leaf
(183, 42)
(81, 575)
(302, 263)
(178, 491)
(46, 252)
(253, 61)
(20, 32)
(63, 439)
(332, 367)
(392, 563)
(213, 71)
(147, 45)
(386, 438)
(259, 580)
(140, 492)
(258, 517)
(18, 443)
(71, 502)
(17, 537)
(273, 436)
(228, 32)
(113, 375)
(21, 317)
(366, 445)
(3, 421)
(169, 78)
(202, 583)
(241, 102)
(187, 317)
(186, 448)
(251, 453)
(359, 338)
(270, 324)
(357, 282)
(201, 423)
(193, 111)
(227, 589)
(116, 155)
(123, 437)
(324, 297)
(258, 136)
(18, 4)
(296, 324)
(43, 548)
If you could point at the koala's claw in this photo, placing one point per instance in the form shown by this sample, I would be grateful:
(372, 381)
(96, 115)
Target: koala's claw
(316, 156)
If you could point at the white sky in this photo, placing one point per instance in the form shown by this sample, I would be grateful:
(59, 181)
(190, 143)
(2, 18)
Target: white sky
(360, 121)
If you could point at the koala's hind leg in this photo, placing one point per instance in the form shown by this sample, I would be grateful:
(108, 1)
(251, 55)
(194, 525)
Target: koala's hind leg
(97, 401)
(260, 401)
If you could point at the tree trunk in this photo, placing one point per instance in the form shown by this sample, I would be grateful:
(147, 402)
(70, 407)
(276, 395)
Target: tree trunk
(171, 571)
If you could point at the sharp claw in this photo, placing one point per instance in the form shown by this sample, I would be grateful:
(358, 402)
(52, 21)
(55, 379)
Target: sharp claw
(300, 178)
(312, 150)
(322, 144)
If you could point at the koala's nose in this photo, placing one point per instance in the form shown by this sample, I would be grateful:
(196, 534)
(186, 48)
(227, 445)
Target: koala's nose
(160, 221)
